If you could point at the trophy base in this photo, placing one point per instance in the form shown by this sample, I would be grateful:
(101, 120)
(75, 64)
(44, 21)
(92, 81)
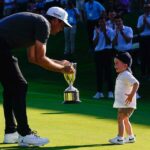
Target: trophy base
(71, 97)
(72, 102)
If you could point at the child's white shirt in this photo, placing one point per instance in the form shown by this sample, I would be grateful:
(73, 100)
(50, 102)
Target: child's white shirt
(123, 86)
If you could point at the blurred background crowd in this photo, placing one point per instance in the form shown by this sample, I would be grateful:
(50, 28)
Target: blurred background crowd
(8, 7)
(103, 19)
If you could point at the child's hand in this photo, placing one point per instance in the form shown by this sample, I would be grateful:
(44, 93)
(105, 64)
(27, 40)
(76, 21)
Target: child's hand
(128, 99)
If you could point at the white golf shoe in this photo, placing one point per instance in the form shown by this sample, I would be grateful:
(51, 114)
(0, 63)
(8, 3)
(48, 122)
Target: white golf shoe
(11, 138)
(32, 140)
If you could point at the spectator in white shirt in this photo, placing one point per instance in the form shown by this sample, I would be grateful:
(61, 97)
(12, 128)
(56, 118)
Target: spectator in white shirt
(80, 7)
(123, 35)
(111, 19)
(70, 33)
(103, 58)
(93, 10)
(123, 39)
(143, 26)
(9, 7)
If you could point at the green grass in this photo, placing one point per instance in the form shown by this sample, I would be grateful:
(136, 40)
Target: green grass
(85, 126)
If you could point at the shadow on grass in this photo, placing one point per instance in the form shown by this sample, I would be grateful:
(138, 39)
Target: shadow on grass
(49, 97)
(55, 147)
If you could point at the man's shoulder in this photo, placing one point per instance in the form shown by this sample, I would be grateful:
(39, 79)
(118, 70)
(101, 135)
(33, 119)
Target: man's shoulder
(34, 17)
(128, 28)
(141, 16)
(27, 14)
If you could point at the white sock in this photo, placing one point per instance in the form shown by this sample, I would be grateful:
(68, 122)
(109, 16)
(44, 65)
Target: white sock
(120, 137)
(131, 136)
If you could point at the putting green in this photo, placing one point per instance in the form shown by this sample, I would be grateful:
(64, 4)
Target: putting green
(85, 126)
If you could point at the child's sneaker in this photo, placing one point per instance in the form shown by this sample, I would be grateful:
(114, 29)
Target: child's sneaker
(32, 140)
(98, 95)
(110, 94)
(11, 138)
(130, 139)
(117, 140)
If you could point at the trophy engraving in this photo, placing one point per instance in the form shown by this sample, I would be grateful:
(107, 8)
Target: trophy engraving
(71, 94)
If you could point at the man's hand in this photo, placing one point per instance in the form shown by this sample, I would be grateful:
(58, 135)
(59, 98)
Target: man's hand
(144, 19)
(65, 63)
(97, 30)
(68, 69)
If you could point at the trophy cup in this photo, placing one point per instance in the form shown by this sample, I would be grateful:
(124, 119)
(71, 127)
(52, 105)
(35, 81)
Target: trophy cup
(71, 94)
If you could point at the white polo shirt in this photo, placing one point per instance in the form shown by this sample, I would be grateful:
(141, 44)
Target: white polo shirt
(101, 45)
(124, 85)
(121, 43)
(146, 31)
(110, 24)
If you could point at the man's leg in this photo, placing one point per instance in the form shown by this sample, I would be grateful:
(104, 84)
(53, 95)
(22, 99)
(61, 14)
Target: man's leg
(15, 88)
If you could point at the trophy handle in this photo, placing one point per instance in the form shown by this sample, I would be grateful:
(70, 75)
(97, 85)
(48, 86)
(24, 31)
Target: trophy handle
(74, 66)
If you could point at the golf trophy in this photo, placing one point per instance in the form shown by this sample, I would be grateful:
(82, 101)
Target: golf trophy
(71, 94)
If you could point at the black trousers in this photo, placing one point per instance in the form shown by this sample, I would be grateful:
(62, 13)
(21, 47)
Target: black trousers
(14, 93)
(103, 63)
(90, 28)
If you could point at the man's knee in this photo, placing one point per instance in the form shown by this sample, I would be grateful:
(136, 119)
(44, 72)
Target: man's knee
(22, 86)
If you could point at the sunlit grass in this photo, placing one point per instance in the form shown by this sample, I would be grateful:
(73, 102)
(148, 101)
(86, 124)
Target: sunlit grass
(86, 126)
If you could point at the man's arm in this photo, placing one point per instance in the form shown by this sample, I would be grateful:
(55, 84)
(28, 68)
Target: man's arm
(107, 38)
(126, 37)
(146, 22)
(37, 55)
(96, 39)
(115, 40)
(141, 27)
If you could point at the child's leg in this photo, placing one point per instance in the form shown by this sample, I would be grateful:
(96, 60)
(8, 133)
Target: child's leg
(121, 129)
(121, 126)
(128, 126)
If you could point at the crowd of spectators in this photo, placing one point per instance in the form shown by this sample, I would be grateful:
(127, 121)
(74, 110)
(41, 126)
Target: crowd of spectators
(103, 19)
(8, 7)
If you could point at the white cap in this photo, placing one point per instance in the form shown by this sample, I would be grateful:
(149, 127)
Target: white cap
(59, 13)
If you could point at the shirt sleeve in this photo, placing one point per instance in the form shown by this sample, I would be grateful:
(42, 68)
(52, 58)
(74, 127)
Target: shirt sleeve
(101, 7)
(111, 34)
(140, 22)
(130, 79)
(42, 30)
(94, 34)
(77, 11)
(130, 32)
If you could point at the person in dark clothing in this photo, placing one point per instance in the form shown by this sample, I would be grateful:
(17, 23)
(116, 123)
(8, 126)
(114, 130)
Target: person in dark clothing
(51, 3)
(31, 31)
(103, 55)
(143, 26)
